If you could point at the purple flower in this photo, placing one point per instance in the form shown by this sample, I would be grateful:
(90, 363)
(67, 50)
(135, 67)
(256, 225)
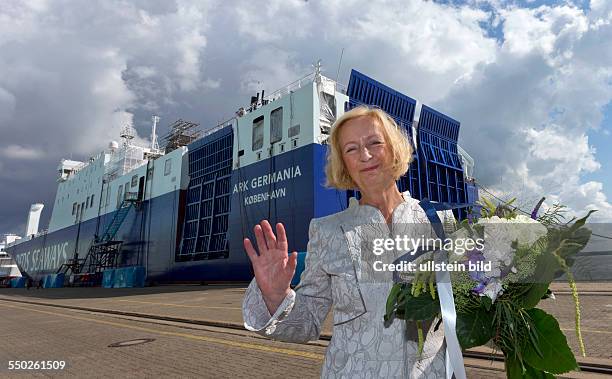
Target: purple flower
(480, 287)
(475, 256)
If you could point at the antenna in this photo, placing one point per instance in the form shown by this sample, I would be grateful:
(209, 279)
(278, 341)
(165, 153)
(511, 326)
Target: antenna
(154, 144)
(317, 68)
(339, 64)
(127, 133)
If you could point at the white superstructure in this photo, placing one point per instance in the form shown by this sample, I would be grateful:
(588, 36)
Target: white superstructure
(96, 187)
(305, 110)
(8, 267)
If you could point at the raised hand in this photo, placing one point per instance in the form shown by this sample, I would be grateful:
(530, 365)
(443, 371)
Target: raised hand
(273, 268)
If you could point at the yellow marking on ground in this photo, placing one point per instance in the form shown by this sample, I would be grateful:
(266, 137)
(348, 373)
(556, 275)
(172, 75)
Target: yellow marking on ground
(175, 305)
(243, 345)
(586, 331)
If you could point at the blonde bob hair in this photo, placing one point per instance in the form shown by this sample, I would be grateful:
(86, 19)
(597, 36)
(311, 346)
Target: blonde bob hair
(396, 139)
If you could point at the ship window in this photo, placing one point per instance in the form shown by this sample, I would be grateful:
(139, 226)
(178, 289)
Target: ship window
(282, 147)
(276, 125)
(87, 202)
(74, 208)
(294, 143)
(134, 180)
(294, 130)
(258, 125)
(92, 199)
(168, 167)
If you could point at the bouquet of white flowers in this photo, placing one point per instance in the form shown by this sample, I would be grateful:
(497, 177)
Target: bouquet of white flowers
(497, 305)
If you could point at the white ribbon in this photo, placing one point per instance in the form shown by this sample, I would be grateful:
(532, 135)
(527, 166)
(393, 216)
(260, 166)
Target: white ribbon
(454, 357)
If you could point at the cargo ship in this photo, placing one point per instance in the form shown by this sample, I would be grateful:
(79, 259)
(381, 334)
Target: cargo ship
(181, 212)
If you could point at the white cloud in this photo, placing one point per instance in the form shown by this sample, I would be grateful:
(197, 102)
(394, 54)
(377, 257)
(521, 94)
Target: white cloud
(74, 73)
(21, 152)
(534, 105)
(549, 30)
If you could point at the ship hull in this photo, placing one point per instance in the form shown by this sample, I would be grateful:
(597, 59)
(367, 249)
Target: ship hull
(151, 232)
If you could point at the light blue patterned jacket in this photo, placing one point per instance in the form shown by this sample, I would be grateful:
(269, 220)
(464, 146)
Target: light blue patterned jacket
(337, 275)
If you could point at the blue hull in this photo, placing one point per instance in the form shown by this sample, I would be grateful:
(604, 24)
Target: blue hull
(152, 233)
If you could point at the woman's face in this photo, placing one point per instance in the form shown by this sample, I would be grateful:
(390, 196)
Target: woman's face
(366, 153)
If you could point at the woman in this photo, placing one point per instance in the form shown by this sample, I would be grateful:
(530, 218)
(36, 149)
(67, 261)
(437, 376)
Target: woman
(367, 151)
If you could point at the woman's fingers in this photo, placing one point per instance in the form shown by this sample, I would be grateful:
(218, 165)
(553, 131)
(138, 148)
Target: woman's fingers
(268, 234)
(261, 242)
(267, 241)
(292, 263)
(248, 246)
(281, 240)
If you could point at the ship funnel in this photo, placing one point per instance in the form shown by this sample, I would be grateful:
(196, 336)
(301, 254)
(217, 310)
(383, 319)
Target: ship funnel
(34, 219)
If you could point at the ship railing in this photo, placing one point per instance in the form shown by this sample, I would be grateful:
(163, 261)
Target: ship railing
(83, 165)
(290, 87)
(286, 90)
(219, 126)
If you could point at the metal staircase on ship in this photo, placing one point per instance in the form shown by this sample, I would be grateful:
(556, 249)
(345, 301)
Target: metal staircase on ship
(103, 253)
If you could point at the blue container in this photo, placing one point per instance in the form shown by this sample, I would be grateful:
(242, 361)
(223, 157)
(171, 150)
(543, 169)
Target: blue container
(53, 281)
(299, 268)
(18, 282)
(59, 280)
(108, 278)
(129, 277)
(120, 278)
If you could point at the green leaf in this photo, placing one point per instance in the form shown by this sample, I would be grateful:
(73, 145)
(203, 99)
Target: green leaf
(532, 297)
(580, 222)
(514, 370)
(534, 373)
(474, 328)
(392, 300)
(422, 307)
(556, 356)
(486, 302)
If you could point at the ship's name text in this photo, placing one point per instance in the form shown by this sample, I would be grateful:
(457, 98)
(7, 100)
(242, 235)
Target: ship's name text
(271, 178)
(49, 258)
(274, 194)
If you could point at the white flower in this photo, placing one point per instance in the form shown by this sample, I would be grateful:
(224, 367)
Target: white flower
(500, 233)
(521, 228)
(493, 289)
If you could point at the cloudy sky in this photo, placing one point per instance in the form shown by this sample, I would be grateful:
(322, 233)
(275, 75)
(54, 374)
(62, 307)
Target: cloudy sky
(530, 81)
